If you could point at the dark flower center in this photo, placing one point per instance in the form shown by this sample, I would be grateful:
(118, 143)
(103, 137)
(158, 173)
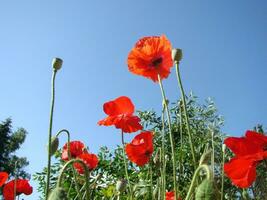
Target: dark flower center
(157, 62)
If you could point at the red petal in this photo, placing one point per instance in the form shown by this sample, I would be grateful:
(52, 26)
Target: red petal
(3, 178)
(129, 124)
(22, 186)
(257, 139)
(121, 105)
(76, 148)
(89, 159)
(241, 171)
(140, 149)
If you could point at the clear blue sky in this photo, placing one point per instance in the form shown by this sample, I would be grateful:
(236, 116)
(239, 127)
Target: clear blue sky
(225, 57)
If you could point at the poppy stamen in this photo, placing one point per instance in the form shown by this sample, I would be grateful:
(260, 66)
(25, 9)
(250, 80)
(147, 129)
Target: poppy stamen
(157, 62)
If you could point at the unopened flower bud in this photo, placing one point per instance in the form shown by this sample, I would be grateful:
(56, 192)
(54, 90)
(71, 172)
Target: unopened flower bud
(177, 55)
(205, 191)
(57, 63)
(54, 145)
(58, 194)
(121, 185)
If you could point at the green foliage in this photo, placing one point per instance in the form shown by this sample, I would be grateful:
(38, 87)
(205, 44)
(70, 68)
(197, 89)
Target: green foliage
(10, 142)
(205, 125)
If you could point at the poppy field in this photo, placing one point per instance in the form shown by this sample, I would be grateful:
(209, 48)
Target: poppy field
(178, 154)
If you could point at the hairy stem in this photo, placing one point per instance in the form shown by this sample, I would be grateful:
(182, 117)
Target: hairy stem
(170, 134)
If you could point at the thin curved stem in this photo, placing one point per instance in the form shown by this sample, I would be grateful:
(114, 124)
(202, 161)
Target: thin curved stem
(170, 134)
(185, 112)
(86, 171)
(69, 157)
(208, 174)
(125, 165)
(50, 133)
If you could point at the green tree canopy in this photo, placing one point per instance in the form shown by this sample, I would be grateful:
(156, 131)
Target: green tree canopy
(10, 142)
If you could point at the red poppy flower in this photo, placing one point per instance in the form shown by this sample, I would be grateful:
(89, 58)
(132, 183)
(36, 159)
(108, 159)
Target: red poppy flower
(22, 187)
(3, 178)
(249, 151)
(76, 148)
(89, 159)
(171, 196)
(120, 113)
(151, 56)
(141, 148)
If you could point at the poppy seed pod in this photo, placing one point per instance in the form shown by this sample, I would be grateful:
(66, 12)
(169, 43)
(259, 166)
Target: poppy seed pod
(58, 194)
(121, 185)
(205, 190)
(57, 63)
(54, 145)
(177, 55)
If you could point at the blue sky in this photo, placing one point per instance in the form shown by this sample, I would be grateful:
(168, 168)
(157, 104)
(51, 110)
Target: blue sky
(224, 45)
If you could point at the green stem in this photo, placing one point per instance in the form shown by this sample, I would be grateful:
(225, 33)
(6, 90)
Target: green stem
(185, 112)
(181, 143)
(125, 165)
(15, 179)
(163, 174)
(69, 157)
(151, 179)
(208, 174)
(213, 153)
(171, 136)
(223, 160)
(50, 133)
(86, 171)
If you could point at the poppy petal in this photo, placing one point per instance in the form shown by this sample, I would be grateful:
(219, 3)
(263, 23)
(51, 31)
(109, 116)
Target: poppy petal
(76, 148)
(22, 187)
(241, 171)
(129, 124)
(151, 56)
(121, 105)
(3, 178)
(89, 159)
(141, 148)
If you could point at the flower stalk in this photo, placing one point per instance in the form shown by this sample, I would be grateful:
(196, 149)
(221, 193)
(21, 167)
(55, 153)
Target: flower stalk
(170, 134)
(185, 112)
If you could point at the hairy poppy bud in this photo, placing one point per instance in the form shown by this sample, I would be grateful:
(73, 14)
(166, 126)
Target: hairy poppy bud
(205, 191)
(121, 185)
(54, 145)
(58, 194)
(177, 55)
(57, 63)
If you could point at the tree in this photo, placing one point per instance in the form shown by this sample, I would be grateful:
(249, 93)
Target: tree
(10, 142)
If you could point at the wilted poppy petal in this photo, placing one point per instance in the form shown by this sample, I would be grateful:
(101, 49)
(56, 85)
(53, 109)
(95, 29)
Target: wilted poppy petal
(121, 105)
(89, 159)
(151, 56)
(3, 178)
(141, 148)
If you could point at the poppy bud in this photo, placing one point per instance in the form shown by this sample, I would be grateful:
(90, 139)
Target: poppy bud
(121, 185)
(58, 194)
(177, 55)
(54, 145)
(205, 191)
(57, 63)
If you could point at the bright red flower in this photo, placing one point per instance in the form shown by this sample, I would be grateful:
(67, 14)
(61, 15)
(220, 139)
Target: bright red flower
(141, 148)
(22, 187)
(151, 56)
(3, 178)
(120, 113)
(89, 159)
(76, 148)
(171, 196)
(249, 151)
